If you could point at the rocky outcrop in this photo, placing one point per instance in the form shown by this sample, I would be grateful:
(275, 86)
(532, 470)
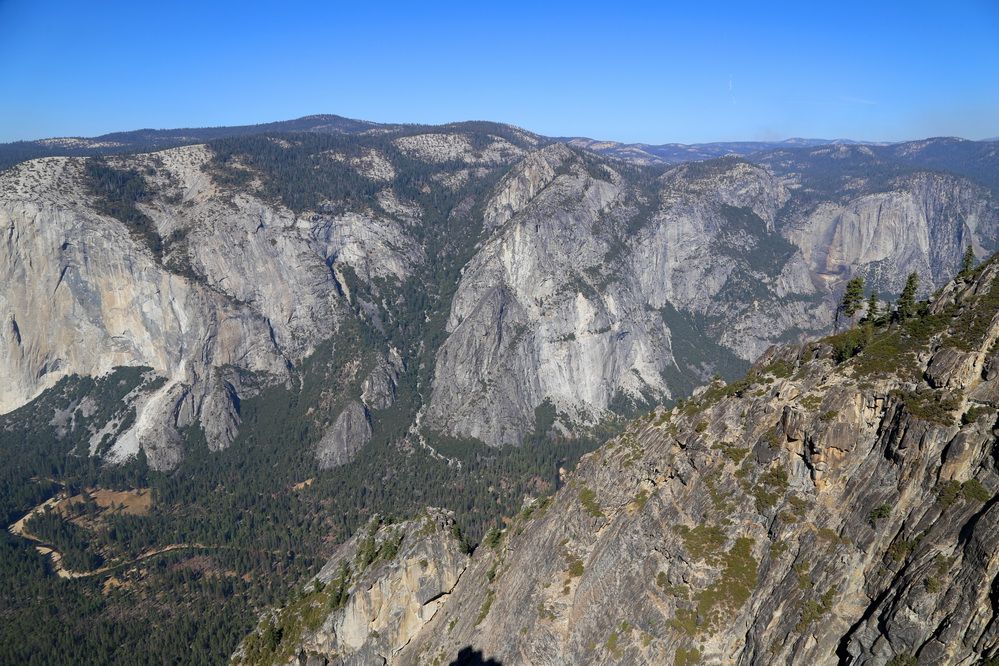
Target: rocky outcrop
(527, 323)
(814, 512)
(370, 599)
(91, 297)
(378, 391)
(591, 284)
(86, 297)
(438, 148)
(922, 224)
(524, 182)
(590, 289)
(350, 432)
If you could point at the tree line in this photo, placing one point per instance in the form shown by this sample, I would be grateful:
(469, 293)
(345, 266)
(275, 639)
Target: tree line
(853, 301)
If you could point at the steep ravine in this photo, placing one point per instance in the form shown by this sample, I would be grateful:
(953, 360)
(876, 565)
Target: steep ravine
(837, 505)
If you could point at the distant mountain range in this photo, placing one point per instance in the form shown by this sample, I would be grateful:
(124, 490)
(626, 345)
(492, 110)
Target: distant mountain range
(674, 153)
(144, 140)
(276, 332)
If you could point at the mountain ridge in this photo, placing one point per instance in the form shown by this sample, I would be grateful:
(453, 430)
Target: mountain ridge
(838, 504)
(277, 336)
(145, 139)
(342, 231)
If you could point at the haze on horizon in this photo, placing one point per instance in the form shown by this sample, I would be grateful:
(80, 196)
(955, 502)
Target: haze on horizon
(635, 73)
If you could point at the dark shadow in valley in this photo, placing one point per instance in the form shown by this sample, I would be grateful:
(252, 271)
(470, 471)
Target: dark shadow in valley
(469, 657)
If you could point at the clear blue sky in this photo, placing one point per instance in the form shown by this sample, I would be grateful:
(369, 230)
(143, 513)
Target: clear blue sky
(700, 71)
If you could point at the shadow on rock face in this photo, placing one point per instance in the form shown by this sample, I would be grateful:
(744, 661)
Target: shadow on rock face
(469, 657)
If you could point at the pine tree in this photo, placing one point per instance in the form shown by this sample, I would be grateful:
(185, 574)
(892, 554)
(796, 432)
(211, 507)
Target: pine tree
(967, 262)
(872, 308)
(906, 307)
(853, 297)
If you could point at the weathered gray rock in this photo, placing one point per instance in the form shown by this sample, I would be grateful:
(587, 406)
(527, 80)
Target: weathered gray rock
(86, 297)
(348, 435)
(570, 298)
(814, 513)
(370, 599)
(594, 284)
(378, 391)
(921, 224)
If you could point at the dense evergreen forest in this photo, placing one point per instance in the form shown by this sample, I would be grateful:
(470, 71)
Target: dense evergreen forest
(251, 522)
(145, 140)
(257, 529)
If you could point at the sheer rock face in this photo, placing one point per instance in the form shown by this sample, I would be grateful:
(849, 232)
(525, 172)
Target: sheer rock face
(593, 284)
(526, 324)
(86, 297)
(378, 391)
(348, 435)
(922, 224)
(813, 513)
(570, 297)
(370, 599)
(244, 285)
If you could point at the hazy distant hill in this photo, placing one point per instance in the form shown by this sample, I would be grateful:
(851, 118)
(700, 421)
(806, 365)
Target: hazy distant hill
(673, 153)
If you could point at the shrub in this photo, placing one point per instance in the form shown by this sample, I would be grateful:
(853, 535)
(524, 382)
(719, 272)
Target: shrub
(733, 588)
(902, 660)
(971, 325)
(271, 636)
(575, 566)
(771, 439)
(731, 451)
(493, 538)
(816, 610)
(703, 542)
(941, 567)
(811, 402)
(338, 590)
(933, 406)
(612, 645)
(464, 545)
(974, 413)
(685, 657)
(486, 605)
(879, 513)
(588, 498)
(831, 536)
(948, 493)
(771, 486)
(390, 546)
(893, 352)
(900, 550)
(803, 575)
(849, 343)
(779, 369)
(799, 505)
(973, 491)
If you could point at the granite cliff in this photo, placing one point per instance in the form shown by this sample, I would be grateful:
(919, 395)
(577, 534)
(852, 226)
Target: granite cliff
(835, 505)
(497, 268)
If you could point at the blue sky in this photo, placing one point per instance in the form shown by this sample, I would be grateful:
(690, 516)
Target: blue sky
(652, 72)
